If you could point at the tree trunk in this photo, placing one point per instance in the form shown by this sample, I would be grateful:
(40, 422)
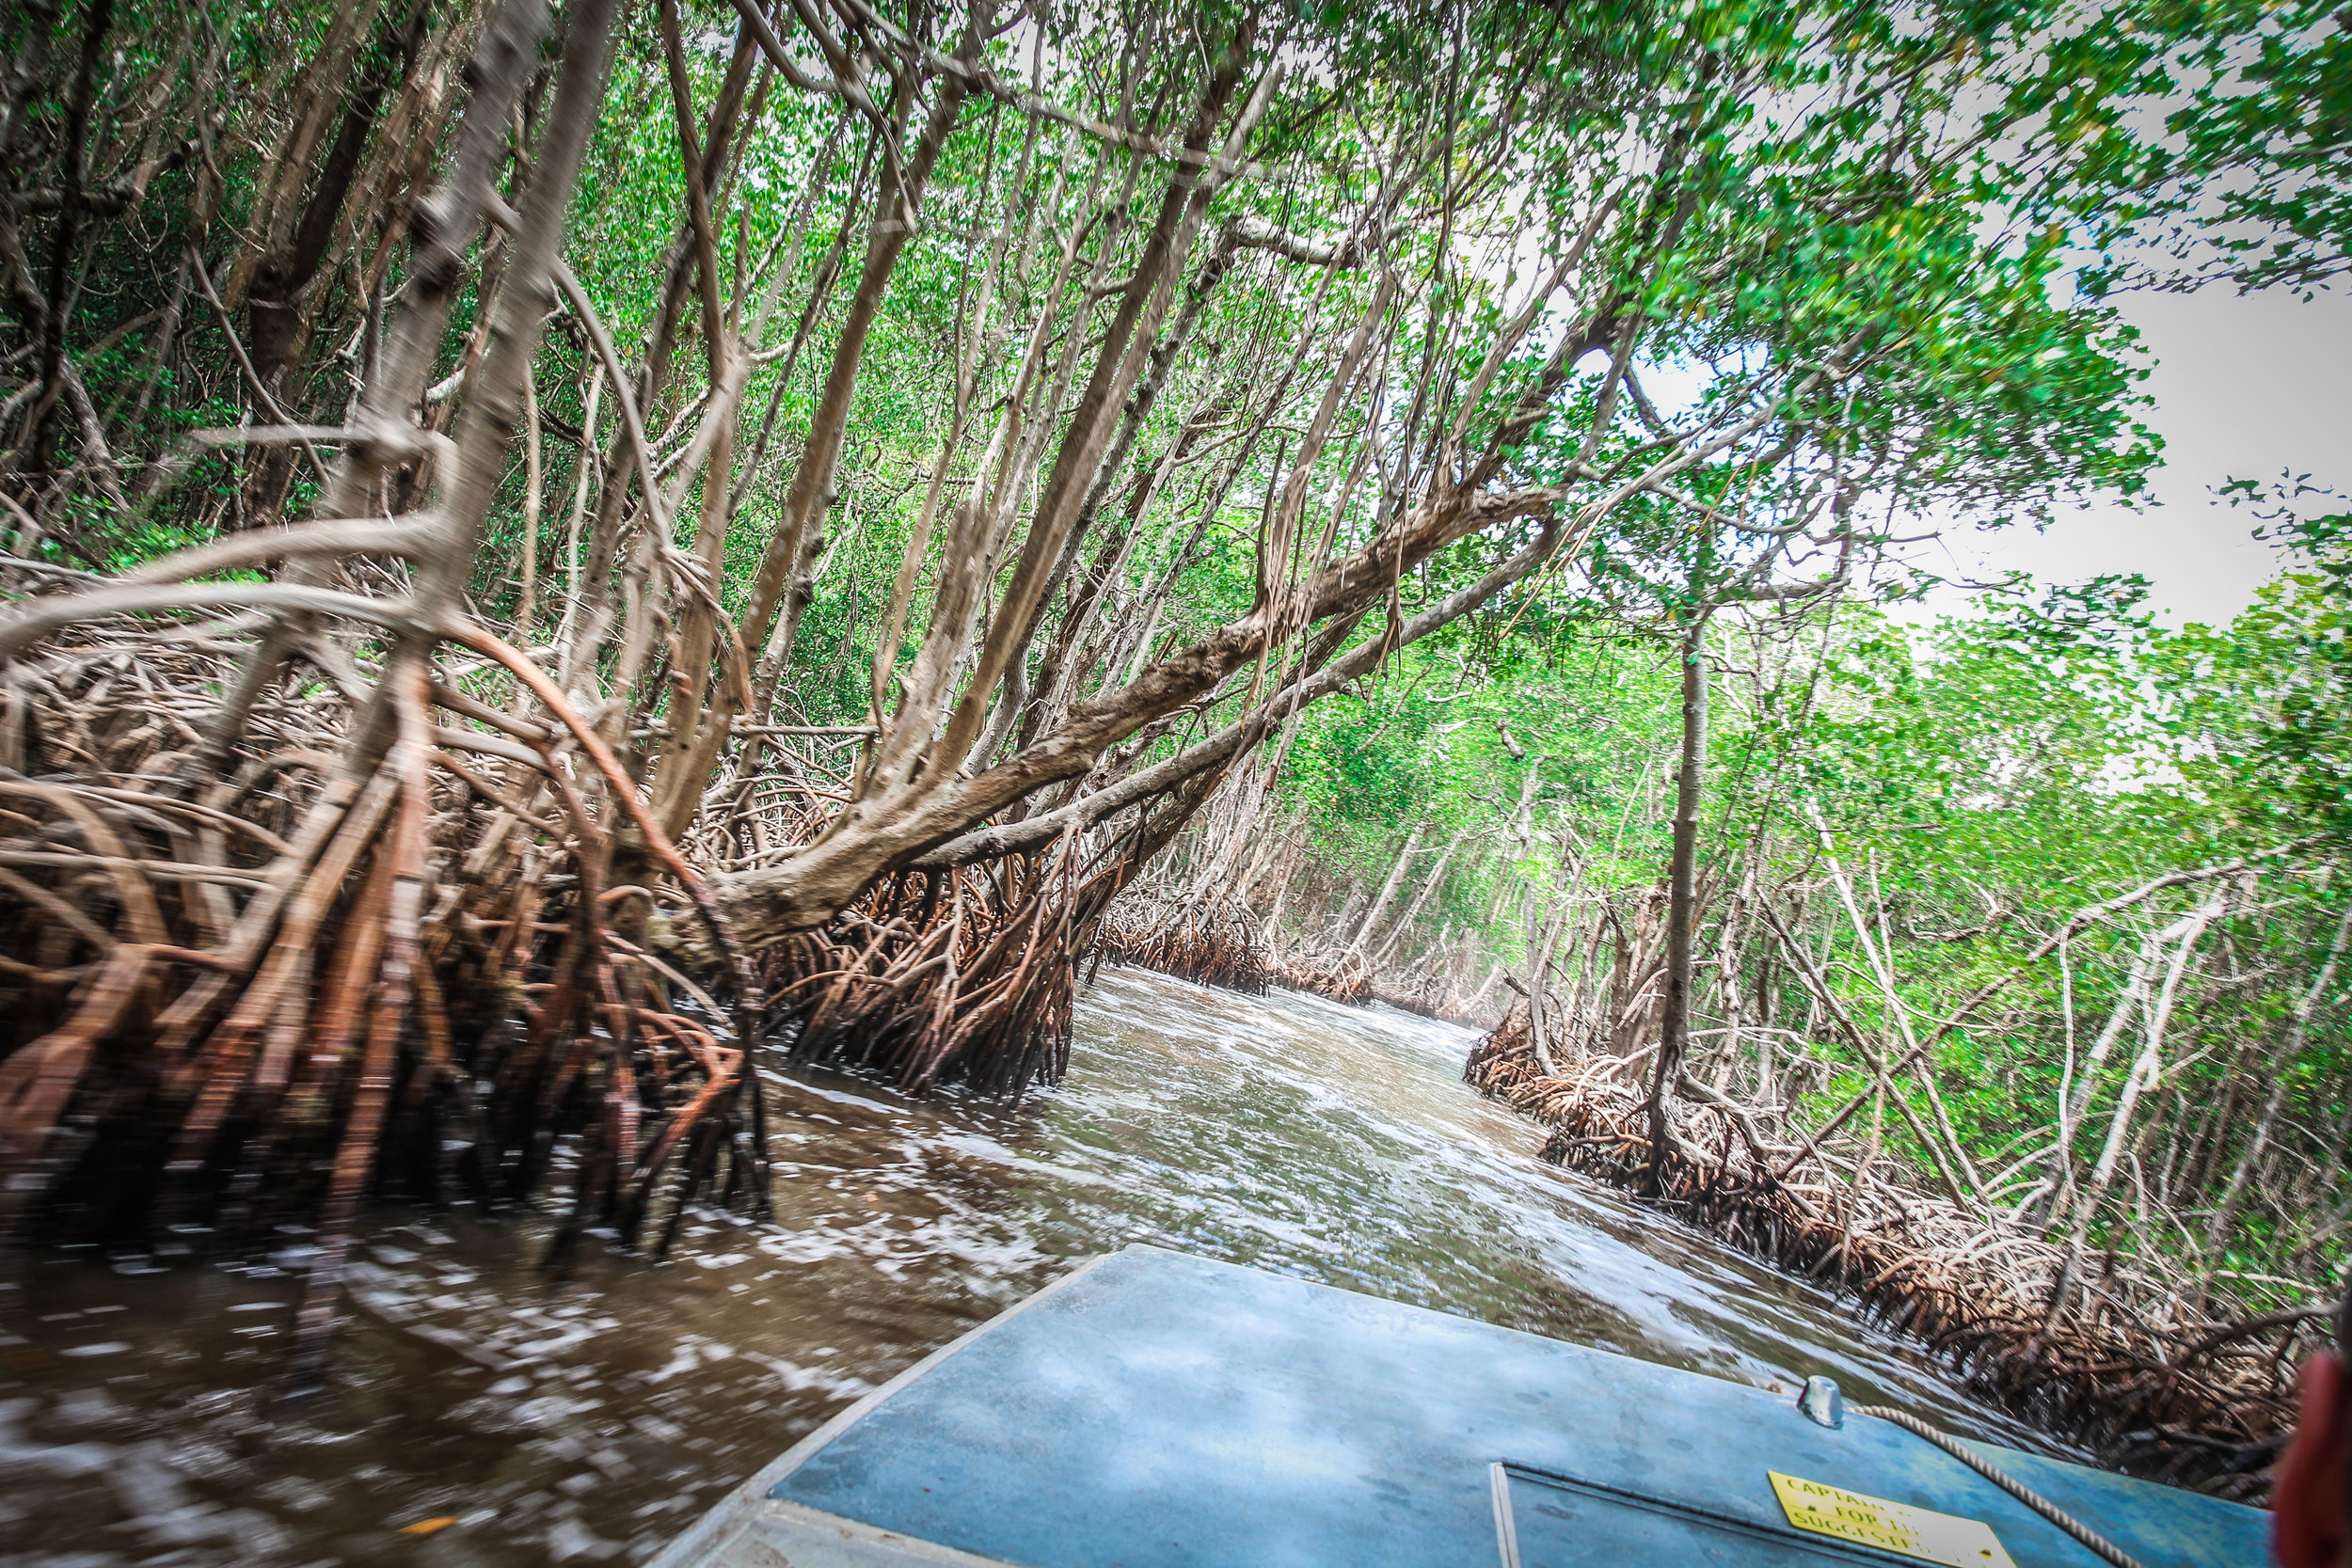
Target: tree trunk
(2282, 1079)
(2146, 1069)
(1387, 888)
(1428, 886)
(1681, 899)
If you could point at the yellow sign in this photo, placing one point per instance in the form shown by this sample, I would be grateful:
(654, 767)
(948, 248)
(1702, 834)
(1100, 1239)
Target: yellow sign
(1944, 1538)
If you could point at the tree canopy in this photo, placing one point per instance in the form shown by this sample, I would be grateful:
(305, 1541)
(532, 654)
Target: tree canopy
(555, 548)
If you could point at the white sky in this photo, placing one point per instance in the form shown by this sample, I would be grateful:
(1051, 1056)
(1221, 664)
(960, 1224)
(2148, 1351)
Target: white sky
(2245, 386)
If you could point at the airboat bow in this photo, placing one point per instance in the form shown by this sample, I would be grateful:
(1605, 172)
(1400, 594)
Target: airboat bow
(1153, 1409)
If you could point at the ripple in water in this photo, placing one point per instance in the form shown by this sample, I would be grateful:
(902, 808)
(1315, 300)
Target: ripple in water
(483, 1414)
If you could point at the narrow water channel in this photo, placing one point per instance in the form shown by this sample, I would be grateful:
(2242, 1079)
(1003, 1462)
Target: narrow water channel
(589, 1419)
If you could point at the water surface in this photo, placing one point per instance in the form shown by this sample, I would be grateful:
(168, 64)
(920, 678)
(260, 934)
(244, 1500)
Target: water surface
(588, 1419)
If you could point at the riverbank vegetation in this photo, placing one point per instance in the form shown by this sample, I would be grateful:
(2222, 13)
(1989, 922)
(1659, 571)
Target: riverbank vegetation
(2016, 999)
(2017, 975)
(559, 552)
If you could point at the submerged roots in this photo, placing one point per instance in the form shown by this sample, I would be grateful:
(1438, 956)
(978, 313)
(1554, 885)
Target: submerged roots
(935, 977)
(2090, 1349)
(1336, 974)
(1221, 942)
(1218, 940)
(1209, 940)
(387, 953)
(426, 943)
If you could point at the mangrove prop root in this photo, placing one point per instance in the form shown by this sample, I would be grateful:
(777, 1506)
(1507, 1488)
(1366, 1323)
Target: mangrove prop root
(962, 976)
(1218, 939)
(242, 1002)
(1209, 940)
(1341, 976)
(2122, 1365)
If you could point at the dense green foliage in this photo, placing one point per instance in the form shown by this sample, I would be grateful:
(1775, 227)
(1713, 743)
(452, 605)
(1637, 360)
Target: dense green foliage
(1980, 783)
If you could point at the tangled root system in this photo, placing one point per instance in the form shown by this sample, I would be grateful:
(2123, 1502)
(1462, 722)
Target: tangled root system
(1337, 976)
(936, 977)
(2092, 1350)
(243, 999)
(1210, 941)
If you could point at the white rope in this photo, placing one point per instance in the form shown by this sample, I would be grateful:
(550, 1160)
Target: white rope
(2011, 1484)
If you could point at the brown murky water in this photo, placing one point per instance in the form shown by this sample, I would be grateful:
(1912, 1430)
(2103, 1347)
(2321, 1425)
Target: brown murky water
(589, 1419)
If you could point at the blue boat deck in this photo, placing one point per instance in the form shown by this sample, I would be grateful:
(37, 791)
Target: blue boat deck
(1154, 1410)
